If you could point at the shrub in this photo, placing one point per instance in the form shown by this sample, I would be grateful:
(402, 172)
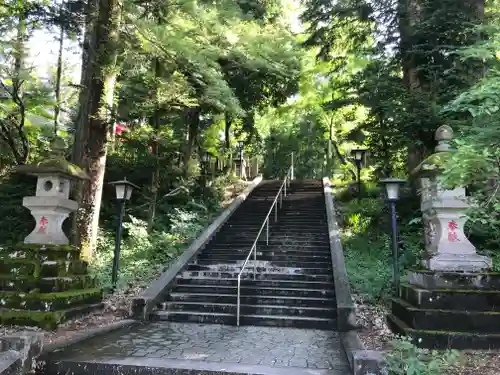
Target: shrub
(404, 358)
(367, 244)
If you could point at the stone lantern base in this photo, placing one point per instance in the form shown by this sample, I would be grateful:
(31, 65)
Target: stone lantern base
(451, 262)
(441, 310)
(44, 285)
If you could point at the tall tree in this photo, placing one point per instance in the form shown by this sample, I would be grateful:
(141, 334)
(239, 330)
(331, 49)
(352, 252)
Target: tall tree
(97, 117)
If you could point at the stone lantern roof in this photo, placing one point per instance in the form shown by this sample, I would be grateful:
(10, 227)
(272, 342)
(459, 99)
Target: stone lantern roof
(55, 164)
(433, 164)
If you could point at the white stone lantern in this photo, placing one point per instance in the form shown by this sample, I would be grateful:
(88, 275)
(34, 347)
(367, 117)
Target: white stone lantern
(51, 204)
(444, 215)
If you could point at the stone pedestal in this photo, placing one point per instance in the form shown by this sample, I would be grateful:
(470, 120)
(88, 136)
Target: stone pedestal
(443, 310)
(444, 216)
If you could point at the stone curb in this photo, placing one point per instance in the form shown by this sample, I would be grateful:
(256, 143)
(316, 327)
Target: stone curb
(18, 351)
(143, 304)
(11, 363)
(85, 335)
(361, 361)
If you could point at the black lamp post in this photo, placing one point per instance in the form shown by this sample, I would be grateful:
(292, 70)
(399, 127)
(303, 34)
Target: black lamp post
(124, 190)
(358, 154)
(392, 186)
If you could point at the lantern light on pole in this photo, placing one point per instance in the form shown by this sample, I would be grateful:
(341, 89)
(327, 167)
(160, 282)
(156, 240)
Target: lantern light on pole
(123, 190)
(358, 155)
(392, 187)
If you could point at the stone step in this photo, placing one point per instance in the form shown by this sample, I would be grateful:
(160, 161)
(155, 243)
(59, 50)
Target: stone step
(251, 290)
(277, 263)
(255, 320)
(36, 268)
(251, 300)
(302, 245)
(273, 243)
(455, 280)
(39, 253)
(248, 274)
(263, 310)
(274, 252)
(45, 284)
(259, 269)
(304, 237)
(50, 302)
(452, 299)
(276, 256)
(444, 340)
(296, 284)
(48, 320)
(227, 260)
(446, 320)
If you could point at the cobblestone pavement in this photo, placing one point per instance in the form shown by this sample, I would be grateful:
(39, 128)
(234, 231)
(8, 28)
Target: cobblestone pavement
(268, 346)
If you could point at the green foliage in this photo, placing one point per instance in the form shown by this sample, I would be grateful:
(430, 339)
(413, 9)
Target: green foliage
(367, 242)
(405, 358)
(144, 255)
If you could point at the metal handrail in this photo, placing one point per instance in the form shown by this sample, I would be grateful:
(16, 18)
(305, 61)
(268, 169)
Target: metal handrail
(279, 195)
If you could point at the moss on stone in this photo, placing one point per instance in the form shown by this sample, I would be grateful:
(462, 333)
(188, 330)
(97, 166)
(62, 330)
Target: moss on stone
(34, 300)
(432, 165)
(54, 165)
(45, 320)
(23, 283)
(41, 284)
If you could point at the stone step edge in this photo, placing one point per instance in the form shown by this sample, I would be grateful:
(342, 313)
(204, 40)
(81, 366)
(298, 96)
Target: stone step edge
(219, 304)
(284, 281)
(410, 307)
(179, 294)
(255, 287)
(451, 291)
(258, 316)
(149, 366)
(408, 330)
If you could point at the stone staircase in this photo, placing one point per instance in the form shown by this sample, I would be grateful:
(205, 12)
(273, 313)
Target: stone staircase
(293, 285)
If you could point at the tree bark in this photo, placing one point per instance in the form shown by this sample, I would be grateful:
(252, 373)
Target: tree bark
(57, 107)
(155, 176)
(97, 122)
(192, 118)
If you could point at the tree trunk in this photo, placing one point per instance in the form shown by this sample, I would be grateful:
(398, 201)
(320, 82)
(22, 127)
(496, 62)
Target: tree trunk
(155, 176)
(192, 118)
(85, 78)
(102, 78)
(57, 107)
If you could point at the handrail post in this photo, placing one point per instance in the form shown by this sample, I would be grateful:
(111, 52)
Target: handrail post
(291, 168)
(267, 231)
(238, 303)
(281, 200)
(286, 180)
(276, 212)
(254, 261)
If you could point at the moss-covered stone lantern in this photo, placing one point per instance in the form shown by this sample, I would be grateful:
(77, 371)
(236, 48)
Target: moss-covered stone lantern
(443, 210)
(51, 204)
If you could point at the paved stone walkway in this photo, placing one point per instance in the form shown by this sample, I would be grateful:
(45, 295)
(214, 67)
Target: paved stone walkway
(225, 345)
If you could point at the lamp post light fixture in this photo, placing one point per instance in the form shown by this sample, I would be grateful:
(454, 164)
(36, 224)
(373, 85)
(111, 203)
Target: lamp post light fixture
(392, 186)
(358, 154)
(123, 190)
